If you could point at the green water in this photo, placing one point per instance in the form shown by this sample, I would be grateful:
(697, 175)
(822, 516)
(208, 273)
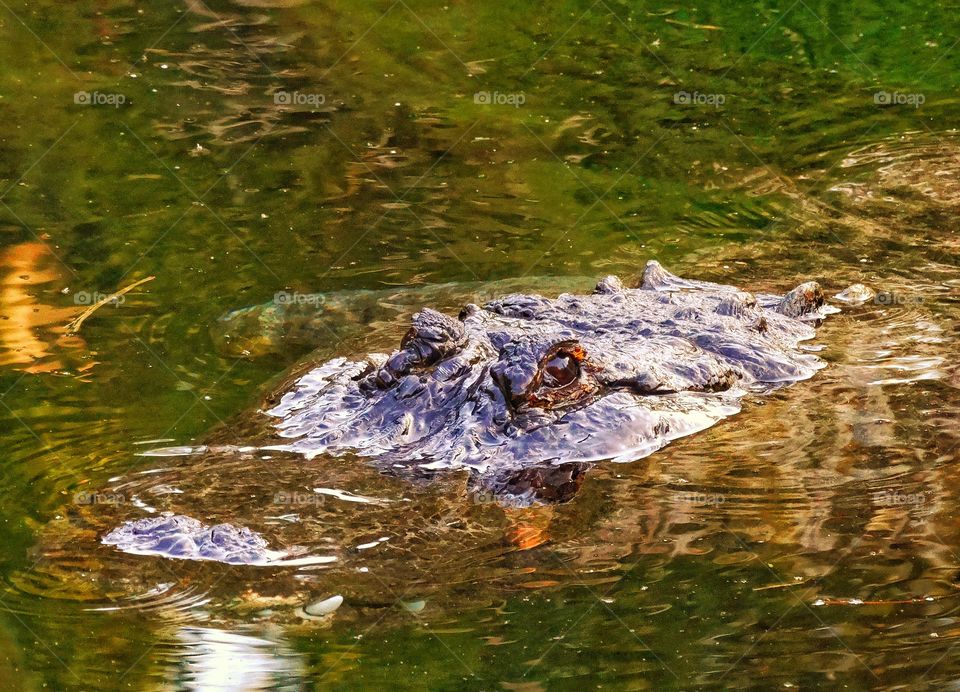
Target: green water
(234, 150)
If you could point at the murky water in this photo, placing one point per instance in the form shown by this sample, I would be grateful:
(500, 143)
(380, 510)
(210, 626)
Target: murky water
(239, 150)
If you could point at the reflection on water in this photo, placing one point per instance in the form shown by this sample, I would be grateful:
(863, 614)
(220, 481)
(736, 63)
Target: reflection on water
(831, 496)
(811, 540)
(31, 332)
(912, 172)
(212, 659)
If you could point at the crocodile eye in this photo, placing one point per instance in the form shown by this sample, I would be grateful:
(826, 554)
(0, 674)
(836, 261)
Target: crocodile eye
(561, 377)
(561, 370)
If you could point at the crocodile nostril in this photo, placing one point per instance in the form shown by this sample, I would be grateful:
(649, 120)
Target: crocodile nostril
(397, 365)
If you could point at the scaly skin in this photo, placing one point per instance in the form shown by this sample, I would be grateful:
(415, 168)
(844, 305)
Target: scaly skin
(527, 391)
(527, 381)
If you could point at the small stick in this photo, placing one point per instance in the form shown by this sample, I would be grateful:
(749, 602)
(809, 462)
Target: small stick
(74, 326)
(785, 585)
(899, 601)
(691, 25)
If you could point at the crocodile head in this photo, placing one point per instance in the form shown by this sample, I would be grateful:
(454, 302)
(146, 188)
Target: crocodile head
(526, 382)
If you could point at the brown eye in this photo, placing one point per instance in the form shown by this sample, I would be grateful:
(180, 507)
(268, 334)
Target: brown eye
(561, 370)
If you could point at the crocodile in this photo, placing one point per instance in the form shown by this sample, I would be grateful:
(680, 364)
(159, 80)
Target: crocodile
(527, 392)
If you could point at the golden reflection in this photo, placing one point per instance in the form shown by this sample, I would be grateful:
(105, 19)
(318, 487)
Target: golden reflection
(32, 333)
(529, 526)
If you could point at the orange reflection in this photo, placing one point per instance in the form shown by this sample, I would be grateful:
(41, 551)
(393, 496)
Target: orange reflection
(528, 526)
(29, 330)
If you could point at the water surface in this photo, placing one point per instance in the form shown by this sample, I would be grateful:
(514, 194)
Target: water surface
(237, 150)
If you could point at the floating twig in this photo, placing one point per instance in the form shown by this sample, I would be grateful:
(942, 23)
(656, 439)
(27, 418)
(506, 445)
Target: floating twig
(882, 602)
(692, 25)
(74, 326)
(784, 585)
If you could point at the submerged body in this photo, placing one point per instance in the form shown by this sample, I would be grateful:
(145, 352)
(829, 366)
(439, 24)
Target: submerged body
(292, 324)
